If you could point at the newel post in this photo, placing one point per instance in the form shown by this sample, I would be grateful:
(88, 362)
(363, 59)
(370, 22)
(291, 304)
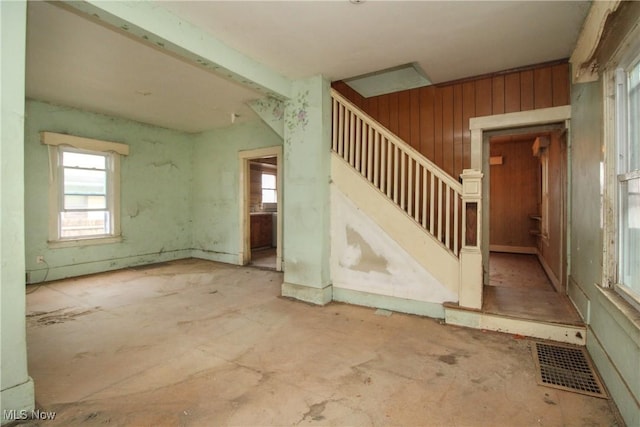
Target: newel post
(470, 293)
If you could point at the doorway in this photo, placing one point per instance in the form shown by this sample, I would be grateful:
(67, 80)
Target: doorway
(260, 208)
(526, 175)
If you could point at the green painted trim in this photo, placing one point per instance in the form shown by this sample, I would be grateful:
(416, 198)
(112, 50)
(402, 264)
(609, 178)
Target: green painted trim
(401, 305)
(621, 312)
(36, 276)
(626, 402)
(215, 256)
(152, 23)
(319, 296)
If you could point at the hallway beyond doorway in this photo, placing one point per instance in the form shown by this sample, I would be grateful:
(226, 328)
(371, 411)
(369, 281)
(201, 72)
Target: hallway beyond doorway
(520, 288)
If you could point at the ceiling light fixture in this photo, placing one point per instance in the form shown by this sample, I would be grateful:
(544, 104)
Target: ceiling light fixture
(356, 1)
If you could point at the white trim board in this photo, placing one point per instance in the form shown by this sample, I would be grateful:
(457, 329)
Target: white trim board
(514, 249)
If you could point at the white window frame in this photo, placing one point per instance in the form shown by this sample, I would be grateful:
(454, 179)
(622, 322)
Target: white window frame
(615, 134)
(274, 188)
(60, 143)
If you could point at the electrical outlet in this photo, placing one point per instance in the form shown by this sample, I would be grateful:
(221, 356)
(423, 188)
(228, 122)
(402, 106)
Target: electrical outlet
(40, 259)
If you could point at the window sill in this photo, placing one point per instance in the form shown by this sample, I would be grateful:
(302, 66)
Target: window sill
(624, 313)
(56, 244)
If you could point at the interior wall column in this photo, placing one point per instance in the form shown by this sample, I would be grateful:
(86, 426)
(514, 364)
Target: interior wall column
(307, 143)
(17, 388)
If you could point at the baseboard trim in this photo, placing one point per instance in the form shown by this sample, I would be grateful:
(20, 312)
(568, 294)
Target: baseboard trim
(215, 256)
(550, 274)
(514, 249)
(314, 295)
(402, 305)
(101, 266)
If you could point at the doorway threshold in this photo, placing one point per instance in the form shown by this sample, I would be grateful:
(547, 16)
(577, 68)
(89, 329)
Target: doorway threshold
(517, 323)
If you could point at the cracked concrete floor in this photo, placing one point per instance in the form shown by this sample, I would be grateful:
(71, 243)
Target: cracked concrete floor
(197, 343)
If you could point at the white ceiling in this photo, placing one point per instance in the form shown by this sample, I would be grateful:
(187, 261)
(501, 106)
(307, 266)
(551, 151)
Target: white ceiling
(76, 62)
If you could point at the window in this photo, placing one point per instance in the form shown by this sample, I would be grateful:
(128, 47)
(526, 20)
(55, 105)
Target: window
(627, 128)
(83, 190)
(269, 194)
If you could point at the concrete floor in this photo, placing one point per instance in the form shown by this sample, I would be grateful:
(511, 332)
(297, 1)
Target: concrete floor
(196, 343)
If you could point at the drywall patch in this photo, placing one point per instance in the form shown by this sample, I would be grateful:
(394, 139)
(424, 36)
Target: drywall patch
(365, 258)
(360, 256)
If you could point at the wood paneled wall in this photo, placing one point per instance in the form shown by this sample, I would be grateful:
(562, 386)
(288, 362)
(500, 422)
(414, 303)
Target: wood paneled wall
(435, 119)
(515, 193)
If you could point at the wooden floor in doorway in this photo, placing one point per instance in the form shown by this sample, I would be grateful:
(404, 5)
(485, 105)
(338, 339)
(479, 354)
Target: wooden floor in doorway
(264, 258)
(520, 288)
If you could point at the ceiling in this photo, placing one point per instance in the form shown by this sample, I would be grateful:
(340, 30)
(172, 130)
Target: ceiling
(76, 62)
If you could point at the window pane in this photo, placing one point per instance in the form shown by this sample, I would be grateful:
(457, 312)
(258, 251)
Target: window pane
(81, 160)
(268, 181)
(78, 201)
(84, 224)
(269, 196)
(630, 236)
(82, 181)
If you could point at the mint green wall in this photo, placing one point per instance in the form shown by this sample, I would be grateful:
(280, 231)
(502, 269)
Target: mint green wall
(16, 386)
(215, 209)
(612, 340)
(155, 193)
(307, 150)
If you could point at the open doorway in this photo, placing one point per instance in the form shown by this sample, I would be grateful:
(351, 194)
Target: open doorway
(263, 205)
(527, 225)
(260, 208)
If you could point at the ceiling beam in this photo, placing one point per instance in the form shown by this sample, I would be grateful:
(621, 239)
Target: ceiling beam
(152, 23)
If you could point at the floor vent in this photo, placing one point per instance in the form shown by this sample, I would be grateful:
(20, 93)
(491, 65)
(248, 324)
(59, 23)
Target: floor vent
(567, 368)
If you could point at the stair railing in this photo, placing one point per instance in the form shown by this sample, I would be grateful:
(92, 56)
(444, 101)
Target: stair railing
(430, 196)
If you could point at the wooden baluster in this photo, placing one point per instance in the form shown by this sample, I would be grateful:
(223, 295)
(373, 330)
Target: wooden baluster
(456, 223)
(376, 160)
(341, 130)
(352, 137)
(403, 179)
(447, 233)
(389, 168)
(425, 194)
(383, 164)
(416, 193)
(432, 203)
(356, 163)
(334, 125)
(440, 209)
(370, 149)
(347, 141)
(396, 161)
(410, 187)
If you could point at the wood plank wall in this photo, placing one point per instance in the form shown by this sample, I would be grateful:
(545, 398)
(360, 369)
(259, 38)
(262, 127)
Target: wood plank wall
(435, 119)
(515, 188)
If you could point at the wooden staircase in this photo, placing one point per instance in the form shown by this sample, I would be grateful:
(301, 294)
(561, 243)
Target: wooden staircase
(433, 216)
